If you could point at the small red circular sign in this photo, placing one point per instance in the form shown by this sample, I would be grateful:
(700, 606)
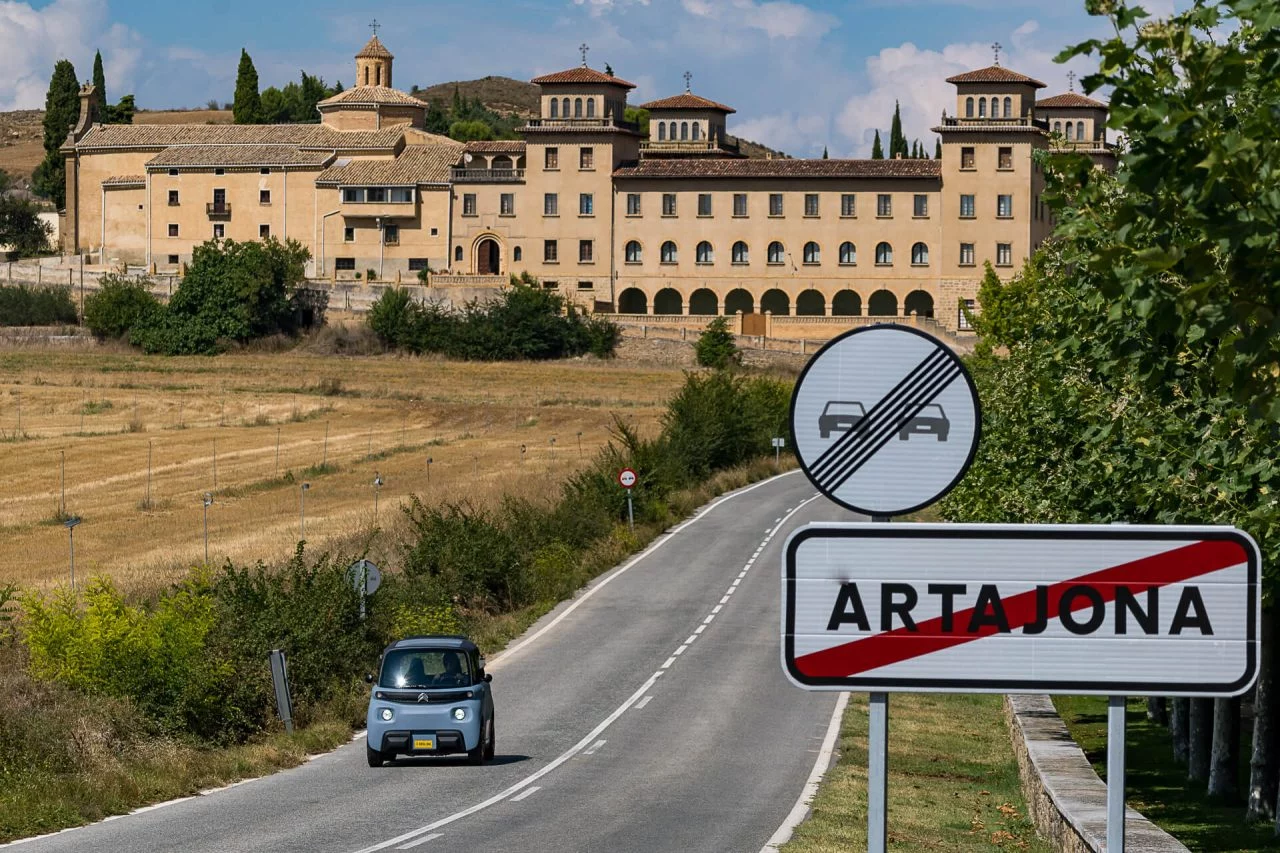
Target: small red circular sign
(627, 478)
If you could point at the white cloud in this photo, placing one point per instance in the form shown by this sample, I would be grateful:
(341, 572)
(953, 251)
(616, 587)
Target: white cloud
(599, 7)
(787, 131)
(32, 40)
(775, 18)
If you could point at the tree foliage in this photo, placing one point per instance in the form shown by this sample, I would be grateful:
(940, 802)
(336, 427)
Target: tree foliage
(877, 152)
(247, 108)
(118, 305)
(21, 228)
(716, 346)
(296, 102)
(61, 108)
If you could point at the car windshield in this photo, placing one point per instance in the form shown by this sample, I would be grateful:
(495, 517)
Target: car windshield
(837, 408)
(425, 668)
(933, 410)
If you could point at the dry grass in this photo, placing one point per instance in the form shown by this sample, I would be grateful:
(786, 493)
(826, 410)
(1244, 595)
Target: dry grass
(387, 415)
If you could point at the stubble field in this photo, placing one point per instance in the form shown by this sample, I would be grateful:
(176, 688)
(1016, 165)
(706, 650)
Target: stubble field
(262, 425)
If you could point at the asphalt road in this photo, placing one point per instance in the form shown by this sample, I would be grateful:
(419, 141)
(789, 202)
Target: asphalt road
(649, 714)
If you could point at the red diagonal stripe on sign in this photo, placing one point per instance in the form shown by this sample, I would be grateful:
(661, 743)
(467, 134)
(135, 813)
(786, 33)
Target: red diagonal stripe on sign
(900, 644)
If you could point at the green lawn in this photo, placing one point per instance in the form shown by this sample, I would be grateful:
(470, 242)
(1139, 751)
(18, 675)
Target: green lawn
(1157, 786)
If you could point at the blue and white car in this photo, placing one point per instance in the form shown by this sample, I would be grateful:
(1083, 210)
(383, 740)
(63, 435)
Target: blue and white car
(431, 697)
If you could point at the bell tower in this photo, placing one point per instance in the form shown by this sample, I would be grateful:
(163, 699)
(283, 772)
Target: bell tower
(373, 62)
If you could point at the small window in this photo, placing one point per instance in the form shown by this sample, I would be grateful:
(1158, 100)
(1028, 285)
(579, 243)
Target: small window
(507, 204)
(920, 255)
(577, 107)
(352, 195)
(219, 171)
(633, 204)
(848, 254)
(741, 255)
(391, 235)
(555, 108)
(739, 204)
(884, 255)
(1057, 127)
(435, 232)
(586, 158)
(810, 204)
(668, 204)
(968, 107)
(848, 206)
(468, 204)
(1004, 206)
(551, 205)
(704, 254)
(684, 130)
(1008, 107)
(982, 107)
(812, 253)
(1005, 160)
(966, 255)
(548, 284)
(517, 254)
(585, 252)
(173, 229)
(775, 204)
(552, 156)
(264, 171)
(697, 132)
(662, 131)
(564, 107)
(457, 254)
(967, 308)
(1004, 254)
(967, 208)
(920, 206)
(264, 231)
(586, 204)
(1070, 131)
(348, 234)
(550, 251)
(173, 173)
(633, 252)
(668, 253)
(884, 205)
(344, 264)
(173, 260)
(400, 195)
(264, 196)
(173, 198)
(1080, 131)
(417, 264)
(591, 107)
(777, 253)
(376, 194)
(966, 158)
(704, 204)
(586, 285)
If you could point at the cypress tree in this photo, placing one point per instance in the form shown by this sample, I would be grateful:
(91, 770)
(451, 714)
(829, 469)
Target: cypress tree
(897, 142)
(247, 108)
(100, 84)
(61, 107)
(937, 152)
(825, 156)
(877, 152)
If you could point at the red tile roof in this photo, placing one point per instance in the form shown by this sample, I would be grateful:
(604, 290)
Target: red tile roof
(686, 101)
(701, 168)
(582, 74)
(374, 50)
(1071, 99)
(383, 95)
(499, 146)
(995, 74)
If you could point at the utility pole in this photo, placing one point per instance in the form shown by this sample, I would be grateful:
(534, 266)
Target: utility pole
(302, 509)
(377, 487)
(71, 529)
(208, 499)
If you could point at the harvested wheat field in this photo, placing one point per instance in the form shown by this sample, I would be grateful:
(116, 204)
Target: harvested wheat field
(261, 425)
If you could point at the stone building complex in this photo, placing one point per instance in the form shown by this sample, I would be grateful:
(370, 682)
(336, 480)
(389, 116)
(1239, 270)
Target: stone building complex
(673, 222)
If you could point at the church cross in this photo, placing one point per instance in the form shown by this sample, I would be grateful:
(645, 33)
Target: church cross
(997, 47)
(1071, 81)
(584, 48)
(688, 76)
(375, 26)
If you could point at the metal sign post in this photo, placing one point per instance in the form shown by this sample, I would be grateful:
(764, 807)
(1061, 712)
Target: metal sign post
(778, 444)
(366, 578)
(280, 681)
(70, 524)
(1115, 773)
(627, 479)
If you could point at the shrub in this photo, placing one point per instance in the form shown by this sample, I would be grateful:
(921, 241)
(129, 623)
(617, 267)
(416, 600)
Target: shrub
(36, 306)
(716, 346)
(119, 304)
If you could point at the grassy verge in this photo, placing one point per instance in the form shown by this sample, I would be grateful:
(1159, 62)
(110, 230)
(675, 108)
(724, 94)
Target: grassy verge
(953, 781)
(1157, 785)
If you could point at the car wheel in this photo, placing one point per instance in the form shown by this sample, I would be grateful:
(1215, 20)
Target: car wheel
(492, 746)
(376, 757)
(477, 755)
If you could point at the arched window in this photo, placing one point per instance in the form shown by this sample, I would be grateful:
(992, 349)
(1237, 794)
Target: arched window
(1080, 131)
(684, 130)
(776, 252)
(564, 107)
(1057, 127)
(366, 75)
(577, 107)
(982, 107)
(968, 107)
(848, 253)
(697, 130)
(741, 254)
(1008, 107)
(1071, 128)
(662, 131)
(812, 253)
(669, 252)
(671, 131)
(591, 107)
(704, 253)
(884, 254)
(555, 108)
(457, 254)
(516, 254)
(919, 254)
(378, 75)
(633, 252)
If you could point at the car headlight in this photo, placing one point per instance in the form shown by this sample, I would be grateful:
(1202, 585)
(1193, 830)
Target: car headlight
(387, 714)
(459, 713)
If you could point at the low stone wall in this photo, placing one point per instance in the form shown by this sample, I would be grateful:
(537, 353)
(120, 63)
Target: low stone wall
(1065, 797)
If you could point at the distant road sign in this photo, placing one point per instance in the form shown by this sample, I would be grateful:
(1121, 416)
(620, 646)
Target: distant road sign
(779, 442)
(1112, 610)
(365, 576)
(627, 478)
(885, 420)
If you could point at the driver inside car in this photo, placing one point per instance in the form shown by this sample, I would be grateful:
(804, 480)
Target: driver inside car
(452, 675)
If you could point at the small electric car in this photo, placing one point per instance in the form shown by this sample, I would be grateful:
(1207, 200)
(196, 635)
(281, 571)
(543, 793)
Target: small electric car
(431, 697)
(840, 417)
(931, 419)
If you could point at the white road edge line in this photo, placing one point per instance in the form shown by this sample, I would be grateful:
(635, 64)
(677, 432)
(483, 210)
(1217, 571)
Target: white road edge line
(526, 793)
(591, 750)
(692, 637)
(801, 809)
(670, 661)
(681, 650)
(699, 629)
(432, 837)
(645, 701)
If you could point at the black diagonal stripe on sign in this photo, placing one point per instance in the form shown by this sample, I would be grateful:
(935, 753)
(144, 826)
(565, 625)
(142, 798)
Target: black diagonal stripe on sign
(906, 413)
(853, 435)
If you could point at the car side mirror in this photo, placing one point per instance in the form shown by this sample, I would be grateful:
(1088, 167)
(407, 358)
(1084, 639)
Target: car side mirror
(368, 678)
(487, 678)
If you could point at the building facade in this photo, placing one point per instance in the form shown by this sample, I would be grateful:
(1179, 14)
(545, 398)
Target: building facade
(675, 221)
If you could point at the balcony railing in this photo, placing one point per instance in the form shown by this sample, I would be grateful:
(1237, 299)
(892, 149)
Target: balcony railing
(1017, 121)
(657, 146)
(503, 176)
(586, 123)
(218, 210)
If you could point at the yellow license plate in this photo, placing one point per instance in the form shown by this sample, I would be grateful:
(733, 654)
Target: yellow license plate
(424, 743)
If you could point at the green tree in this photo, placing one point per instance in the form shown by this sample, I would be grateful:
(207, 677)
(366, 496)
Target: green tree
(470, 131)
(436, 120)
(275, 109)
(937, 150)
(825, 155)
(716, 346)
(247, 108)
(118, 305)
(61, 107)
(121, 113)
(877, 152)
(638, 117)
(21, 227)
(100, 84)
(897, 141)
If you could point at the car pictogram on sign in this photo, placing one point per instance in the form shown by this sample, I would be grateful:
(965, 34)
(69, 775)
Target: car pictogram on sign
(840, 416)
(930, 420)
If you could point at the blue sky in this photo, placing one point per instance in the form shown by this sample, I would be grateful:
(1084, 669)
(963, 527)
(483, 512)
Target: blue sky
(801, 73)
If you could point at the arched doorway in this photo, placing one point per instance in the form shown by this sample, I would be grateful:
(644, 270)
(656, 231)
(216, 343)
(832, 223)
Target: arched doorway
(811, 303)
(488, 257)
(846, 303)
(633, 301)
(775, 302)
(739, 301)
(703, 301)
(667, 301)
(920, 303)
(882, 304)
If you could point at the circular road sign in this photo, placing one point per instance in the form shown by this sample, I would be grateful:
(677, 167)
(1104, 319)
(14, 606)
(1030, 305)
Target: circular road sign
(885, 420)
(627, 478)
(365, 576)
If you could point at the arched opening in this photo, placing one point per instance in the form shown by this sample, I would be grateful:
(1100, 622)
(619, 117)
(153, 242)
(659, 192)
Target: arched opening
(378, 76)
(776, 302)
(1070, 131)
(1080, 131)
(968, 107)
(739, 301)
(516, 254)
(697, 132)
(555, 108)
(668, 301)
(564, 107)
(846, 303)
(1008, 107)
(704, 254)
(1057, 127)
(577, 107)
(703, 301)
(633, 252)
(982, 107)
(488, 257)
(591, 107)
(684, 130)
(662, 131)
(811, 303)
(366, 75)
(920, 303)
(777, 252)
(920, 254)
(740, 253)
(848, 254)
(812, 253)
(884, 254)
(882, 304)
(633, 301)
(671, 130)
(668, 252)
(457, 254)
